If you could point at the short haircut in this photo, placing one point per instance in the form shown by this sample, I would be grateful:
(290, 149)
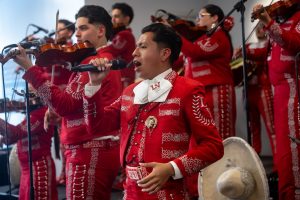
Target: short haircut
(70, 26)
(125, 9)
(96, 15)
(166, 37)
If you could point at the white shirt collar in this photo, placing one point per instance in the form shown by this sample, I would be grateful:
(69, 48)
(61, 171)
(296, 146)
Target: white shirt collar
(155, 90)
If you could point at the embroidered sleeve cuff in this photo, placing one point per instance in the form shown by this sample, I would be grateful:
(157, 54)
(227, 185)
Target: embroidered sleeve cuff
(90, 90)
(178, 173)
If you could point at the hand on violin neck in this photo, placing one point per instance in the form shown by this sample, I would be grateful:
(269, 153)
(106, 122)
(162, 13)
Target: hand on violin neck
(22, 59)
(263, 15)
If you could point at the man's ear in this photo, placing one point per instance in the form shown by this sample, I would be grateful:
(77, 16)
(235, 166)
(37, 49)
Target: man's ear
(101, 30)
(165, 54)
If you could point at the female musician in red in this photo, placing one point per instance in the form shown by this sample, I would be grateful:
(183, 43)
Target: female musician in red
(42, 162)
(92, 160)
(284, 36)
(123, 41)
(207, 60)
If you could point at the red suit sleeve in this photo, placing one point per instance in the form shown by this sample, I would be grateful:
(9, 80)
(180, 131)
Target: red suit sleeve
(63, 102)
(205, 49)
(209, 146)
(15, 133)
(287, 39)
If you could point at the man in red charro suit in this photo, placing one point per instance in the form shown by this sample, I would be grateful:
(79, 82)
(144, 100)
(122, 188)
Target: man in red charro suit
(157, 118)
(284, 36)
(123, 41)
(207, 60)
(260, 93)
(91, 159)
(42, 162)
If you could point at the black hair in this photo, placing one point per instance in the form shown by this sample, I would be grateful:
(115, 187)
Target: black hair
(70, 26)
(216, 10)
(96, 15)
(165, 36)
(125, 9)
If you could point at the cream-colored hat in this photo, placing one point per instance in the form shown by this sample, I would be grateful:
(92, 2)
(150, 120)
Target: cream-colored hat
(239, 175)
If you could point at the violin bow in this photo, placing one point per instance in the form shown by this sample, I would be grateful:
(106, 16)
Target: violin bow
(55, 128)
(252, 31)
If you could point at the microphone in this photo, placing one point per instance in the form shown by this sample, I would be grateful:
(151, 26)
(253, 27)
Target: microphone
(27, 45)
(115, 65)
(39, 28)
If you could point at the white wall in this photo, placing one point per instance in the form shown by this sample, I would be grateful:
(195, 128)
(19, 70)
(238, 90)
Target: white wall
(143, 9)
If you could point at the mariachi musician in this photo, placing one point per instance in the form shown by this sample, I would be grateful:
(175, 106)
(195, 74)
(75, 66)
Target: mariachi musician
(42, 162)
(207, 60)
(92, 160)
(283, 28)
(123, 41)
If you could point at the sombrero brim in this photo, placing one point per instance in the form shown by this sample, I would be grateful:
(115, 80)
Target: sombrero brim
(237, 153)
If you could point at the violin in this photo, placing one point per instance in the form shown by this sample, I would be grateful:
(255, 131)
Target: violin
(186, 28)
(20, 106)
(50, 54)
(277, 10)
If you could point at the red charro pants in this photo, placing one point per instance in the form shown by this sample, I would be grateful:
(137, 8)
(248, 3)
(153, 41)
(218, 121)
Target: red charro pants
(91, 169)
(260, 102)
(44, 181)
(286, 116)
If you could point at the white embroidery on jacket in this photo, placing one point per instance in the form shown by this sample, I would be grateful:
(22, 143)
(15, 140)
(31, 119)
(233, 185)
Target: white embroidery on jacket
(175, 137)
(79, 90)
(207, 46)
(198, 107)
(192, 165)
(75, 122)
(168, 154)
(276, 31)
(44, 93)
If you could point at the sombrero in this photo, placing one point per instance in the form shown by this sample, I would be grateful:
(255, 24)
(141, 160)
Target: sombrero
(239, 175)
